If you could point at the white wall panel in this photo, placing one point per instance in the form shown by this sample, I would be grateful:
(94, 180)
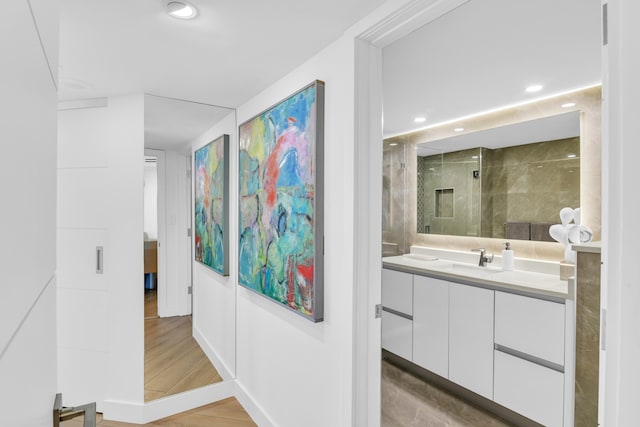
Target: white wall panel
(82, 319)
(101, 315)
(83, 374)
(83, 138)
(77, 259)
(83, 198)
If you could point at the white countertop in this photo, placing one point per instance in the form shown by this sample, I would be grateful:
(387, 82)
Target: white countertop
(523, 281)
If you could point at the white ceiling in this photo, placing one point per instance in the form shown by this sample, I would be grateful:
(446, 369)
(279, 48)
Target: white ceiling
(229, 53)
(482, 55)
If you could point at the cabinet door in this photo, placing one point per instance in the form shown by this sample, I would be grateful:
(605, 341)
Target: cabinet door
(397, 291)
(532, 390)
(431, 324)
(396, 335)
(471, 338)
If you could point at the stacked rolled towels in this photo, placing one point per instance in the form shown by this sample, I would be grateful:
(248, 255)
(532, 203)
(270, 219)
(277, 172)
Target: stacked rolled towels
(570, 231)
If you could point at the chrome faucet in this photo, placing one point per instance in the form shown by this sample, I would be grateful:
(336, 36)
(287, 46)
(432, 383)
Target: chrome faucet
(484, 259)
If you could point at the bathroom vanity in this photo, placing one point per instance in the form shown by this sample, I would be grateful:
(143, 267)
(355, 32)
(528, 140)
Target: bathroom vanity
(508, 336)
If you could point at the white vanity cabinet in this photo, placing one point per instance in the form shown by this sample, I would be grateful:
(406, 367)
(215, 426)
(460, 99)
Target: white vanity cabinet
(431, 324)
(471, 338)
(397, 314)
(530, 357)
(505, 346)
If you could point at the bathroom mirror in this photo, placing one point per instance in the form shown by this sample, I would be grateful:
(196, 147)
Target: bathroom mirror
(448, 99)
(506, 182)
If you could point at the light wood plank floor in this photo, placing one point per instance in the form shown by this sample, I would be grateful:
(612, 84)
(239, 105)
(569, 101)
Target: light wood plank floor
(173, 360)
(225, 413)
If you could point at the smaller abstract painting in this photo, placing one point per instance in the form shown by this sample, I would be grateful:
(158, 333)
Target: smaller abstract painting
(211, 205)
(281, 202)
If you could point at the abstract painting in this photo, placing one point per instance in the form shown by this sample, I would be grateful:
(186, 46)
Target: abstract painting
(211, 205)
(281, 202)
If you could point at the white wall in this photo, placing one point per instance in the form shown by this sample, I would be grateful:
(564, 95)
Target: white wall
(28, 380)
(214, 296)
(621, 204)
(100, 203)
(298, 371)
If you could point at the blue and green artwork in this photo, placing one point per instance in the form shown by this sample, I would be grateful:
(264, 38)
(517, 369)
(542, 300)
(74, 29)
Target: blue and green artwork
(280, 178)
(211, 211)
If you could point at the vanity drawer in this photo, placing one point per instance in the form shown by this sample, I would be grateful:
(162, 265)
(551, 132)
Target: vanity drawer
(397, 291)
(397, 335)
(535, 391)
(532, 326)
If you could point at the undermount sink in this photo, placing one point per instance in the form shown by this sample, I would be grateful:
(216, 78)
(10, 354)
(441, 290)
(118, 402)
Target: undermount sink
(474, 270)
(420, 257)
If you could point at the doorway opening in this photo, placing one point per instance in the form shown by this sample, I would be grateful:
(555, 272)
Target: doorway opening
(150, 236)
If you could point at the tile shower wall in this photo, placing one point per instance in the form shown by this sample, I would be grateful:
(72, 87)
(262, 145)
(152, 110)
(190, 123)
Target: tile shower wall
(398, 170)
(530, 183)
(448, 195)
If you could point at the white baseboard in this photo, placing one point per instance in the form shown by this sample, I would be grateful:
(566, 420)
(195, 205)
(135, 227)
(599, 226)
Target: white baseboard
(151, 411)
(251, 406)
(216, 360)
(129, 412)
(188, 400)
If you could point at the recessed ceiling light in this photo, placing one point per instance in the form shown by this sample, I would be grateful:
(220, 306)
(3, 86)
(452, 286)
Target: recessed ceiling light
(181, 9)
(568, 105)
(393, 144)
(571, 156)
(458, 130)
(420, 119)
(534, 88)
(474, 157)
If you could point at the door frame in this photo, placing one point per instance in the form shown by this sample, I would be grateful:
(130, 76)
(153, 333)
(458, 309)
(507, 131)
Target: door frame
(368, 189)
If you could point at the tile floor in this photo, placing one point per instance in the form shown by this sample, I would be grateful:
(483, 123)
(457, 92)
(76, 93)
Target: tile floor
(408, 401)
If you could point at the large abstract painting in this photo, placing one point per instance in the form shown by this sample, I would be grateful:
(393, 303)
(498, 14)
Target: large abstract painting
(211, 205)
(281, 202)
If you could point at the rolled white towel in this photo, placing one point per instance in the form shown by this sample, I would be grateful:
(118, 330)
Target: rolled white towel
(580, 234)
(566, 216)
(559, 233)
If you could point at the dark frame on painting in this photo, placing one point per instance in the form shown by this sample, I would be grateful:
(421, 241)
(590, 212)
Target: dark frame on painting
(211, 205)
(281, 197)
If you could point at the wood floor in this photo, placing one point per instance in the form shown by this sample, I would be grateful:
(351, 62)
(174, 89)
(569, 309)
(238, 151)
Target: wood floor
(225, 413)
(173, 363)
(173, 360)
